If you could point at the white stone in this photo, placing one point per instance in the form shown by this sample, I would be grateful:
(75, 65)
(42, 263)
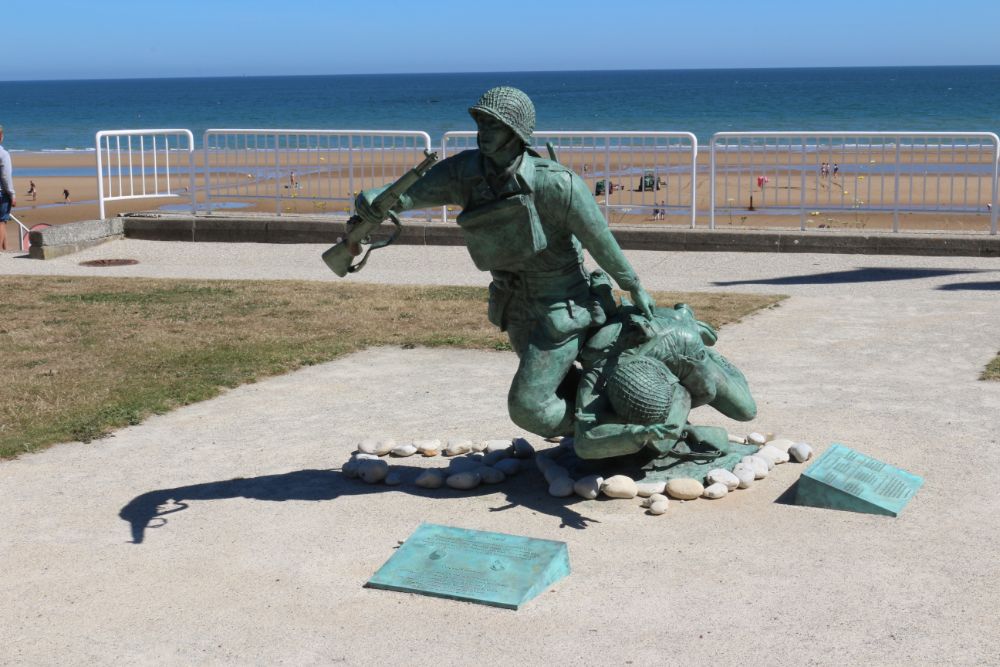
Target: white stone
(490, 475)
(736, 439)
(497, 445)
(493, 458)
(801, 452)
(745, 473)
(757, 464)
(428, 447)
(684, 488)
(755, 438)
(368, 446)
(588, 487)
(464, 480)
(655, 498)
(430, 479)
(659, 507)
(463, 464)
(723, 476)
(458, 447)
(782, 443)
(561, 487)
(508, 466)
(554, 472)
(407, 449)
(522, 449)
(372, 471)
(715, 491)
(779, 456)
(361, 456)
(393, 478)
(646, 489)
(385, 446)
(619, 486)
(478, 446)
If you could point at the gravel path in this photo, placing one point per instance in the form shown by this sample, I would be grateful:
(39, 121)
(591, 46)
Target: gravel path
(264, 559)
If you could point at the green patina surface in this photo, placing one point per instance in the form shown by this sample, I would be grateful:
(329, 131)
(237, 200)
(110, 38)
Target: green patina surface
(495, 569)
(646, 466)
(844, 479)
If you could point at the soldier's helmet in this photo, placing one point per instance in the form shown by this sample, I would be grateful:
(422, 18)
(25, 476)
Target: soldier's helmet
(511, 107)
(641, 390)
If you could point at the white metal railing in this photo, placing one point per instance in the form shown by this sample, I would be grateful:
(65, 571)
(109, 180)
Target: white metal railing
(21, 234)
(143, 164)
(783, 173)
(317, 168)
(634, 175)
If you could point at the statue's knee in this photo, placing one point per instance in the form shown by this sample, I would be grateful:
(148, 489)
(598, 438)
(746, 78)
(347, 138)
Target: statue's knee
(542, 417)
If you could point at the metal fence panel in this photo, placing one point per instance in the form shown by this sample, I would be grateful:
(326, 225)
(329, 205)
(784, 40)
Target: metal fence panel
(861, 174)
(144, 164)
(304, 171)
(635, 176)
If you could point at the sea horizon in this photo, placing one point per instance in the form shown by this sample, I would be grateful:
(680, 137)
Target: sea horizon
(65, 114)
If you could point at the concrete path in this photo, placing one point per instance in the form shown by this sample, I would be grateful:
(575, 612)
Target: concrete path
(224, 533)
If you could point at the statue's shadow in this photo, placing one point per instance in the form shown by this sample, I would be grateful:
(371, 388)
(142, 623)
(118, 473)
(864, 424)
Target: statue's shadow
(526, 489)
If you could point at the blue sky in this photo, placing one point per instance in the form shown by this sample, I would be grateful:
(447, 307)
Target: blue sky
(118, 39)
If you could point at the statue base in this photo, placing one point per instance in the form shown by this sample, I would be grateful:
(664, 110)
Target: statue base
(708, 449)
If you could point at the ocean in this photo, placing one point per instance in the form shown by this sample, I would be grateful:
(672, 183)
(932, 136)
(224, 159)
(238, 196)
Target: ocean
(65, 115)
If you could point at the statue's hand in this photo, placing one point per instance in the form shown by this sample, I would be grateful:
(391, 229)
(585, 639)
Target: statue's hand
(641, 298)
(363, 208)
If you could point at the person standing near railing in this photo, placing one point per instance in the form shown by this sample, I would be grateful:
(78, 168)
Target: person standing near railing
(7, 198)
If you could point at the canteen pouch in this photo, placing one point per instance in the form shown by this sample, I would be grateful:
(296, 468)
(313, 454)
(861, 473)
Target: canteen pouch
(503, 233)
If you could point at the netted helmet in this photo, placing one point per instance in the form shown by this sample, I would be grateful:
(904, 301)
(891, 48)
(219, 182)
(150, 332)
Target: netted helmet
(511, 107)
(641, 390)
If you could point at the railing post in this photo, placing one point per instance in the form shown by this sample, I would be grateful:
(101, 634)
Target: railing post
(802, 190)
(711, 182)
(895, 193)
(100, 178)
(996, 185)
(694, 180)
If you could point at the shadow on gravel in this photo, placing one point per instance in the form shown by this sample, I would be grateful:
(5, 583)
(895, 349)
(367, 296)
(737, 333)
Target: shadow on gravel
(983, 287)
(860, 275)
(527, 489)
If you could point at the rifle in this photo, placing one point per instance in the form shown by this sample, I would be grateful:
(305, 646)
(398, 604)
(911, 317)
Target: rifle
(339, 257)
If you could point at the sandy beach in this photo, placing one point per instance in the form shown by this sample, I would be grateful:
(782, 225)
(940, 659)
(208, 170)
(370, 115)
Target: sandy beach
(321, 181)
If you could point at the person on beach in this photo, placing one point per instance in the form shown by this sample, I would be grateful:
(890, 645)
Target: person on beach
(7, 194)
(65, 196)
(32, 191)
(527, 220)
(836, 168)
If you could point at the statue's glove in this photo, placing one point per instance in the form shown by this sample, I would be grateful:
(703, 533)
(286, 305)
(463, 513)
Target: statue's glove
(641, 298)
(363, 207)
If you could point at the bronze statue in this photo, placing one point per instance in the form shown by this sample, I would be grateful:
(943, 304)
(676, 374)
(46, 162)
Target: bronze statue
(527, 220)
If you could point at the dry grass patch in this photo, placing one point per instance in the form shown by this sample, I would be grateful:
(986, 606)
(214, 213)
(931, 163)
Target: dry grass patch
(992, 371)
(85, 356)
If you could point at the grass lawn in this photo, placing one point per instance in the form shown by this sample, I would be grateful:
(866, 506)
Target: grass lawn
(82, 357)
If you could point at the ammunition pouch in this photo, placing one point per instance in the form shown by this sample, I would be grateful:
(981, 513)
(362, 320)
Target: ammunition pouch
(503, 233)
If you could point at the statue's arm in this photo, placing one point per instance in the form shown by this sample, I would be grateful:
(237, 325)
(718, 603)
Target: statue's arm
(587, 223)
(439, 186)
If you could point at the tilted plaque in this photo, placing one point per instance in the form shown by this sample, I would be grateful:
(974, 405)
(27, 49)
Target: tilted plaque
(844, 479)
(489, 568)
